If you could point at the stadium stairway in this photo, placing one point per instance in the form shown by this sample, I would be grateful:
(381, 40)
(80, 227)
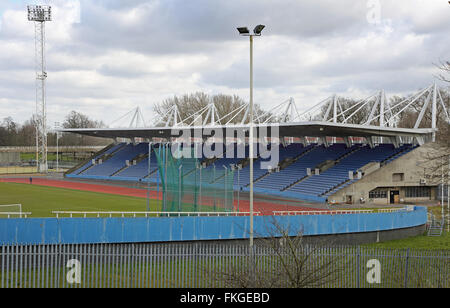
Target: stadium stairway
(319, 187)
(337, 177)
(286, 154)
(309, 157)
(116, 161)
(138, 170)
(100, 156)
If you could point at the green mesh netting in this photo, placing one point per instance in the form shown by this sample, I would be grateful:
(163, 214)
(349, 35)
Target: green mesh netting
(192, 185)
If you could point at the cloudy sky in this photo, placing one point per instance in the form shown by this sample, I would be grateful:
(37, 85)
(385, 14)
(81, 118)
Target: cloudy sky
(106, 57)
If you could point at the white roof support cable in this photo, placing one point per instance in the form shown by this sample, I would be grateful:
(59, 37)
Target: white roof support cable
(270, 111)
(412, 101)
(247, 111)
(236, 112)
(414, 97)
(196, 116)
(120, 118)
(353, 106)
(313, 108)
(367, 100)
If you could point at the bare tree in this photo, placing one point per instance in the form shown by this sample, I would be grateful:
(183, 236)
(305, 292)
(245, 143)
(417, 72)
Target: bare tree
(189, 104)
(283, 261)
(27, 133)
(444, 66)
(8, 133)
(78, 120)
(436, 159)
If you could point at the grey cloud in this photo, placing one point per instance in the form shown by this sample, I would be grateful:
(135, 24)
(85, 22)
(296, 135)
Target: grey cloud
(175, 26)
(208, 28)
(131, 72)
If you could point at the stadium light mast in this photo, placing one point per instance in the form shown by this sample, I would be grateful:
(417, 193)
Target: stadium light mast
(40, 14)
(243, 31)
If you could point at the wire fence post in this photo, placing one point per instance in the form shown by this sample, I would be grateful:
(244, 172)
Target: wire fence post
(358, 265)
(132, 265)
(406, 268)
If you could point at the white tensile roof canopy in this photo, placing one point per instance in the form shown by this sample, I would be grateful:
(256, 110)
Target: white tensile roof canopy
(284, 120)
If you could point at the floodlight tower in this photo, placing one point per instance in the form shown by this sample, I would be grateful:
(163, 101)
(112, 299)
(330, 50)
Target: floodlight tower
(40, 14)
(244, 31)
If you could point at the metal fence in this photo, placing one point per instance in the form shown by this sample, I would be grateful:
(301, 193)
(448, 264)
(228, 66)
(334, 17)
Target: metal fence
(31, 168)
(86, 214)
(205, 265)
(134, 214)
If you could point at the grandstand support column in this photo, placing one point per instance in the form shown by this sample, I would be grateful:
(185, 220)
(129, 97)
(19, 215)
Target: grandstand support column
(283, 141)
(420, 140)
(303, 141)
(369, 141)
(395, 141)
(348, 142)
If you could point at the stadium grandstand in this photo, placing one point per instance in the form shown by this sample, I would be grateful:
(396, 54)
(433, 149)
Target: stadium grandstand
(322, 160)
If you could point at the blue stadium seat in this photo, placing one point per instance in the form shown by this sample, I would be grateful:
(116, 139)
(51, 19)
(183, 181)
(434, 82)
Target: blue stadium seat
(293, 178)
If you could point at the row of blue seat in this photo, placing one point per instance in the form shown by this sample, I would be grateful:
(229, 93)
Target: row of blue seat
(98, 156)
(298, 170)
(339, 174)
(117, 161)
(293, 178)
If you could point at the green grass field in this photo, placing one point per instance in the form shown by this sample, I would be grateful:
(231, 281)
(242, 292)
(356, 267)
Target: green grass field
(42, 200)
(418, 242)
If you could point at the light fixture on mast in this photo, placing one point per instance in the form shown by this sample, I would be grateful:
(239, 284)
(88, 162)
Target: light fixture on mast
(40, 14)
(243, 31)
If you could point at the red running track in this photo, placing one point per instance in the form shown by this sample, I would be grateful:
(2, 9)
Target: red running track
(265, 208)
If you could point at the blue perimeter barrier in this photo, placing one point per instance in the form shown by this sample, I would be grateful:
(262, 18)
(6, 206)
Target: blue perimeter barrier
(166, 229)
(287, 194)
